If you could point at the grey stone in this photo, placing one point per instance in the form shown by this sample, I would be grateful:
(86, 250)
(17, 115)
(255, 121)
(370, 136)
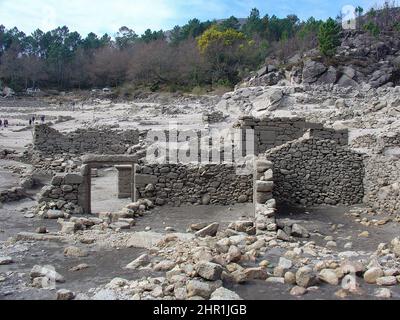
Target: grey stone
(211, 230)
(64, 294)
(6, 260)
(224, 294)
(305, 277)
(199, 288)
(209, 271)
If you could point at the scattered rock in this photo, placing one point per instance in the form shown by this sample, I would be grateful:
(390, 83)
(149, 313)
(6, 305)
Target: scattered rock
(164, 265)
(211, 230)
(298, 291)
(386, 281)
(304, 277)
(209, 271)
(79, 267)
(64, 294)
(46, 271)
(75, 252)
(224, 294)
(5, 260)
(329, 276)
(383, 293)
(199, 288)
(141, 261)
(372, 274)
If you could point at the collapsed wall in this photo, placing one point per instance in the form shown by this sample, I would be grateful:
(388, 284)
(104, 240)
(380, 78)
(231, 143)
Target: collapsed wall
(310, 171)
(64, 193)
(382, 183)
(13, 194)
(177, 184)
(103, 141)
(272, 132)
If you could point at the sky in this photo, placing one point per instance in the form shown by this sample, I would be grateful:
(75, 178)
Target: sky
(107, 16)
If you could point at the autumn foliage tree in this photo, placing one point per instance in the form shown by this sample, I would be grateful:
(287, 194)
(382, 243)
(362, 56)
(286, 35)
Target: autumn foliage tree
(225, 51)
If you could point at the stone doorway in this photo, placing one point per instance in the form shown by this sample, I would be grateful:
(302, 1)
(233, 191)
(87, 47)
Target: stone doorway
(124, 164)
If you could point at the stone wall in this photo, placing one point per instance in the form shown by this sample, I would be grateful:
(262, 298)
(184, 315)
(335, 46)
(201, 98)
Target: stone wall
(176, 184)
(13, 194)
(264, 203)
(214, 117)
(382, 183)
(124, 181)
(103, 141)
(64, 193)
(270, 133)
(315, 172)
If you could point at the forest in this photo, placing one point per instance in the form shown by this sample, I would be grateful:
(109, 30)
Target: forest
(197, 54)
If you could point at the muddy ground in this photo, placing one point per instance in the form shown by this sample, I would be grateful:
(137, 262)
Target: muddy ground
(105, 264)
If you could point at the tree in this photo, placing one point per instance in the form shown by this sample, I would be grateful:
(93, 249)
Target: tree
(226, 51)
(328, 37)
(254, 24)
(149, 36)
(230, 23)
(159, 63)
(125, 38)
(359, 12)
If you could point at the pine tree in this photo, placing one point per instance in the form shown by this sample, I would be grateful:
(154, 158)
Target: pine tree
(328, 37)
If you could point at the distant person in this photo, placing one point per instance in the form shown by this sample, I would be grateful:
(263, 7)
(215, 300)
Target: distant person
(30, 122)
(5, 123)
(42, 118)
(33, 119)
(1, 123)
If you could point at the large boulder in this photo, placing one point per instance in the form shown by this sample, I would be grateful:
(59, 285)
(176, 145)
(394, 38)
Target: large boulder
(312, 70)
(268, 101)
(346, 81)
(329, 77)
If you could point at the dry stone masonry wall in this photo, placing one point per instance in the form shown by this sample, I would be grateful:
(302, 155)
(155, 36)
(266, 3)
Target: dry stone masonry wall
(214, 117)
(315, 172)
(102, 141)
(264, 203)
(13, 194)
(382, 183)
(177, 184)
(270, 133)
(64, 193)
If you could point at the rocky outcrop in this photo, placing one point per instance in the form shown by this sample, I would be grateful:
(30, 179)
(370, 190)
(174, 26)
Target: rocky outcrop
(360, 59)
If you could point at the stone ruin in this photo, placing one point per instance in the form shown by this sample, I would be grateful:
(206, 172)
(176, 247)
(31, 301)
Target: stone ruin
(305, 164)
(102, 141)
